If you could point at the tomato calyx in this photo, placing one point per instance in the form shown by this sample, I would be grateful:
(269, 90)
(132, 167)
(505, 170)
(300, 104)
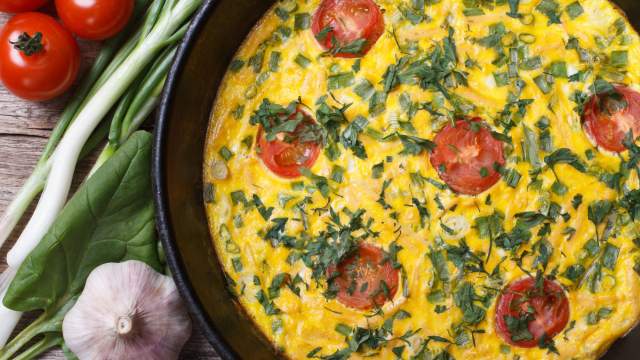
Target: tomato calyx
(29, 45)
(531, 311)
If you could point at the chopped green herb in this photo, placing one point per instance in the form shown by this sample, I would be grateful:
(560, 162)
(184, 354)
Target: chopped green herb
(225, 153)
(574, 10)
(302, 21)
(340, 80)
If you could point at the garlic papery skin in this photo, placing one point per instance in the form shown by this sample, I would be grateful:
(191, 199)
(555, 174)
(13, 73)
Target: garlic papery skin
(127, 311)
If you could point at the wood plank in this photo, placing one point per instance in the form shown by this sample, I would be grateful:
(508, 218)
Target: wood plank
(24, 129)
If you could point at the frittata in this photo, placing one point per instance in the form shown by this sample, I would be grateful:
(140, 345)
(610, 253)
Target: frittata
(431, 179)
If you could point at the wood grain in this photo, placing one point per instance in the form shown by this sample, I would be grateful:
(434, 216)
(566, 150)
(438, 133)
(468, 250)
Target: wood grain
(24, 130)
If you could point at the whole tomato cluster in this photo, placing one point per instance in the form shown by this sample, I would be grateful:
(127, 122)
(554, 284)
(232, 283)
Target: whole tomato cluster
(39, 56)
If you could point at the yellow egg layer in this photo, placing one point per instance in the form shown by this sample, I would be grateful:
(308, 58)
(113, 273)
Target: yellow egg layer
(308, 321)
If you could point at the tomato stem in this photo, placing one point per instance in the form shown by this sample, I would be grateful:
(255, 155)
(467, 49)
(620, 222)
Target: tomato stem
(29, 45)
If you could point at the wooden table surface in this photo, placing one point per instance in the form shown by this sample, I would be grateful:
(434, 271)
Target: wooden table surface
(24, 130)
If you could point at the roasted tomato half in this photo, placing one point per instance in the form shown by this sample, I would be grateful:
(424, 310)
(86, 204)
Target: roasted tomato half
(531, 311)
(467, 156)
(288, 151)
(348, 28)
(366, 279)
(610, 116)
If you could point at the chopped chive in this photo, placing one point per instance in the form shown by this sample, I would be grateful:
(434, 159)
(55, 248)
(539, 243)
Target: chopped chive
(340, 80)
(558, 69)
(302, 60)
(574, 10)
(527, 38)
(209, 193)
(532, 63)
(364, 89)
(236, 65)
(337, 174)
(619, 58)
(527, 19)
(274, 61)
(282, 13)
(502, 79)
(544, 83)
(238, 112)
(225, 153)
(484, 172)
(237, 264)
(302, 21)
(473, 12)
(376, 170)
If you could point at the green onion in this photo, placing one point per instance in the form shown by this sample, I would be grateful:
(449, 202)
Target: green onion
(236, 65)
(619, 58)
(502, 79)
(527, 19)
(302, 21)
(274, 61)
(558, 69)
(574, 10)
(527, 38)
(340, 80)
(473, 12)
(337, 174)
(364, 89)
(302, 60)
(544, 82)
(532, 63)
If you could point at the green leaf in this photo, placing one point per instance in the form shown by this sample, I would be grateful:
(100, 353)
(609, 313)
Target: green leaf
(565, 156)
(598, 211)
(109, 219)
(414, 145)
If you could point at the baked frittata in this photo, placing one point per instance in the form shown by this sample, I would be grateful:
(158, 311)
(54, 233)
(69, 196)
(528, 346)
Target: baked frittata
(431, 179)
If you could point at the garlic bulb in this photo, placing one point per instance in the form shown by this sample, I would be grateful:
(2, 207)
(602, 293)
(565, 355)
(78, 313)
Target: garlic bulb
(127, 311)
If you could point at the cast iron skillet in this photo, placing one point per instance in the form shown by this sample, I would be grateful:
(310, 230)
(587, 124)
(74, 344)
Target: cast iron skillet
(210, 43)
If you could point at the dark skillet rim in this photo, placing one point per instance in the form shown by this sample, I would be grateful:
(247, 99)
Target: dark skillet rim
(163, 223)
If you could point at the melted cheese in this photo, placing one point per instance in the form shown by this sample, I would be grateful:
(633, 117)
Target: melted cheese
(308, 321)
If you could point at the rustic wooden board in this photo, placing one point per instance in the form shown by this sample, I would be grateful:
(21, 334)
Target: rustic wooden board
(24, 129)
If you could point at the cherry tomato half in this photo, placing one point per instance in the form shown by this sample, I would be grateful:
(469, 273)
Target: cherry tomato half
(39, 59)
(608, 118)
(95, 19)
(348, 28)
(18, 6)
(286, 154)
(466, 156)
(525, 313)
(366, 279)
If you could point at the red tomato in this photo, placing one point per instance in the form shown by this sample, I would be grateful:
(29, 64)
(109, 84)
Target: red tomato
(348, 28)
(95, 19)
(545, 309)
(17, 6)
(285, 158)
(39, 59)
(607, 119)
(465, 156)
(360, 277)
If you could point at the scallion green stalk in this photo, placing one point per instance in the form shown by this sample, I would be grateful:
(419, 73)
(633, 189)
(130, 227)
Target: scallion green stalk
(143, 61)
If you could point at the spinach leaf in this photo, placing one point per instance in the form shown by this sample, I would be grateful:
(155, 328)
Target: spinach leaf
(109, 219)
